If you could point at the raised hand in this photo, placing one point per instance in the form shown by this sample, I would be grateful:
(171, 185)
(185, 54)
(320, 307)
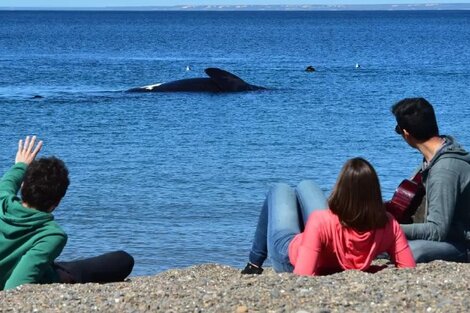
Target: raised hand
(27, 151)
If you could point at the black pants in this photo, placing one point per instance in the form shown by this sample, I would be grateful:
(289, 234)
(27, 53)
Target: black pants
(106, 268)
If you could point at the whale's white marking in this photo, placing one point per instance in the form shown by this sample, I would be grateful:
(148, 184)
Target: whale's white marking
(150, 87)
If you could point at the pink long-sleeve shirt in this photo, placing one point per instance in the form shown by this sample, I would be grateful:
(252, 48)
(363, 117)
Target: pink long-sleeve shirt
(326, 246)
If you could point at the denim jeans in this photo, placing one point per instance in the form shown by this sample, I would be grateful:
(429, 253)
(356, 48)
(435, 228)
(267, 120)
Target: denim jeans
(426, 251)
(283, 215)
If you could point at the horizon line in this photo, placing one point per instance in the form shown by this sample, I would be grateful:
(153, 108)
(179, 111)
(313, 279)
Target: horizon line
(256, 7)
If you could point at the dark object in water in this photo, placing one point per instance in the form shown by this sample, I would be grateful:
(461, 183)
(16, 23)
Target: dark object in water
(218, 81)
(310, 69)
(37, 97)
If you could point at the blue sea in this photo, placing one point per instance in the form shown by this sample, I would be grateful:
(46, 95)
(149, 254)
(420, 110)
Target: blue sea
(178, 179)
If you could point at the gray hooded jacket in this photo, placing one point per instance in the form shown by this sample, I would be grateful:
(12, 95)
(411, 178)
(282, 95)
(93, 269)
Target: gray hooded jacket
(447, 182)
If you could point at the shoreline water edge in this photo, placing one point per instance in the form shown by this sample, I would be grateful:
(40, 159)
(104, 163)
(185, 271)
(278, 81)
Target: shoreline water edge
(433, 287)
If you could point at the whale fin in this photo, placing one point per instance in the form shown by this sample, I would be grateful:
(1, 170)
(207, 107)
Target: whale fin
(226, 81)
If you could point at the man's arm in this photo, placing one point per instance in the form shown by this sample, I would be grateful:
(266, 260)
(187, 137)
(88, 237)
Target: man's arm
(34, 263)
(11, 181)
(442, 191)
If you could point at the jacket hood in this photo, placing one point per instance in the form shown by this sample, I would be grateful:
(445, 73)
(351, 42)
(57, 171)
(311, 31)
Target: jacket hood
(451, 149)
(18, 220)
(352, 245)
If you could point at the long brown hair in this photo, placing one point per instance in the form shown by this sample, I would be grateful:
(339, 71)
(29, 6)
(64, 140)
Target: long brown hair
(356, 198)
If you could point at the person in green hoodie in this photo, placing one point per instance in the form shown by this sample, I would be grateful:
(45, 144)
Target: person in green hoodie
(443, 233)
(30, 239)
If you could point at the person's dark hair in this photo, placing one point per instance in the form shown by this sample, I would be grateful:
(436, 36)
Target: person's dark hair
(45, 183)
(417, 116)
(356, 198)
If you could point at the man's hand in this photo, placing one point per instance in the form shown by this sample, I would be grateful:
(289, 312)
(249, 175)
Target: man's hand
(26, 153)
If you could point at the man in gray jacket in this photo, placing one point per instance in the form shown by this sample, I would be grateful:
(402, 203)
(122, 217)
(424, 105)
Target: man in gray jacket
(444, 233)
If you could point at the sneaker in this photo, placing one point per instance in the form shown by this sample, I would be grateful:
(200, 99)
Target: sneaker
(252, 269)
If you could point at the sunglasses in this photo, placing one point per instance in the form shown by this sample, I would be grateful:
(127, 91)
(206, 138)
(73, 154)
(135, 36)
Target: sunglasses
(398, 130)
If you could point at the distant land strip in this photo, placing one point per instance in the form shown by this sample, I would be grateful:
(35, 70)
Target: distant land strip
(337, 7)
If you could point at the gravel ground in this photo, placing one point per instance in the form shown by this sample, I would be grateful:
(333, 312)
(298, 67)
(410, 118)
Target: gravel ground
(434, 287)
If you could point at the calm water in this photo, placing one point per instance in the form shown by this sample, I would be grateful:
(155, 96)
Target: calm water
(178, 179)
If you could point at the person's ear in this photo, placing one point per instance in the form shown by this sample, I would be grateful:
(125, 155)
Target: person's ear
(409, 138)
(406, 134)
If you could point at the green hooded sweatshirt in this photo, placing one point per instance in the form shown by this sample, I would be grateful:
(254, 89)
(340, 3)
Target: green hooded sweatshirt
(30, 240)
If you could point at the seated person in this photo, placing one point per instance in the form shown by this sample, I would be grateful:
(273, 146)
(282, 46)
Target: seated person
(349, 234)
(442, 229)
(30, 239)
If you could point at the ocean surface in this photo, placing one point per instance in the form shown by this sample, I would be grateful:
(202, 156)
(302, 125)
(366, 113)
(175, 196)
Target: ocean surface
(178, 179)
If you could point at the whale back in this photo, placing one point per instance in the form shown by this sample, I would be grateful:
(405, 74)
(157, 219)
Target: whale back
(182, 85)
(218, 81)
(189, 85)
(227, 81)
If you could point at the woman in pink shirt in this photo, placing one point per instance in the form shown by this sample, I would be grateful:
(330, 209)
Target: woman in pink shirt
(299, 235)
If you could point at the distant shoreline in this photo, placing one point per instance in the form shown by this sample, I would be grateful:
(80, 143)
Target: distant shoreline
(358, 7)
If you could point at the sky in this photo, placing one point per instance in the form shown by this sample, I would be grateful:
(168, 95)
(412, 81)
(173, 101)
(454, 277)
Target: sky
(117, 3)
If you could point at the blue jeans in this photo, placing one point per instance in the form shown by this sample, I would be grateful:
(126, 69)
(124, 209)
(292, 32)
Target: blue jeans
(283, 215)
(426, 251)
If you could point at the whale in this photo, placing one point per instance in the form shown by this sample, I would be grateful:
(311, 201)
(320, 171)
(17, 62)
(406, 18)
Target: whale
(218, 81)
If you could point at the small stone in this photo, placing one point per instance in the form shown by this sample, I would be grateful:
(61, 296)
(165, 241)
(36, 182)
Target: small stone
(275, 293)
(241, 309)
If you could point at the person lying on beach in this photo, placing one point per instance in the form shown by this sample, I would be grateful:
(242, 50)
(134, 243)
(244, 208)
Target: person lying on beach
(346, 232)
(30, 239)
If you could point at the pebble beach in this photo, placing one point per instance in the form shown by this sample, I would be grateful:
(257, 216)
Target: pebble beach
(434, 287)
